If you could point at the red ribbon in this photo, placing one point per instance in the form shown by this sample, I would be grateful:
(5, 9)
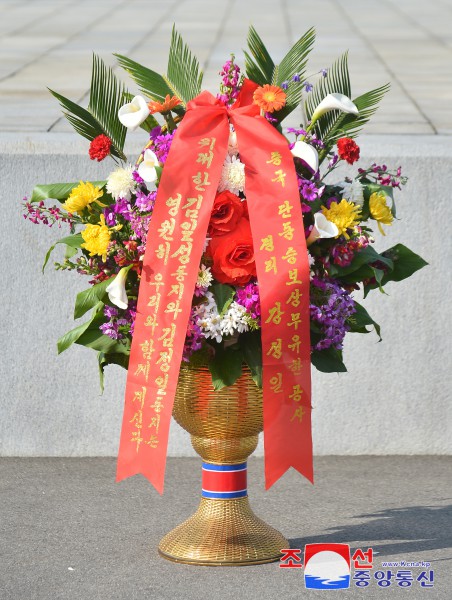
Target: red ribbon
(174, 248)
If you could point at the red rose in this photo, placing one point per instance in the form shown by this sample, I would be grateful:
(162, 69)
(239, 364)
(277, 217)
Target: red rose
(100, 147)
(233, 255)
(348, 150)
(226, 213)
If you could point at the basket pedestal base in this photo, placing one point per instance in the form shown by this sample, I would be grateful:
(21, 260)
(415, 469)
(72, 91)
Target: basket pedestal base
(223, 533)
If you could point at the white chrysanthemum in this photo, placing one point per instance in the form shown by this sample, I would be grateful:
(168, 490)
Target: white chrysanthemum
(232, 175)
(353, 192)
(234, 320)
(121, 183)
(205, 277)
(208, 318)
(233, 148)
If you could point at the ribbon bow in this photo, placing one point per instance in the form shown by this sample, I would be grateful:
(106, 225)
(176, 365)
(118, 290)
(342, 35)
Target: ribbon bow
(170, 267)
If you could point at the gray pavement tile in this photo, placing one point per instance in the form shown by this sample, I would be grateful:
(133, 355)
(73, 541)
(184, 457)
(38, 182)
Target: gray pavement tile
(70, 533)
(49, 43)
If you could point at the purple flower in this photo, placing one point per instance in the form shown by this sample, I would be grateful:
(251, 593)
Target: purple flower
(308, 86)
(296, 131)
(248, 297)
(296, 77)
(330, 308)
(324, 72)
(284, 85)
(110, 311)
(145, 202)
(308, 190)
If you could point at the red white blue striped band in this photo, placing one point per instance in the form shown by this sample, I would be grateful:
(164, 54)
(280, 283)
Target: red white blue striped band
(224, 481)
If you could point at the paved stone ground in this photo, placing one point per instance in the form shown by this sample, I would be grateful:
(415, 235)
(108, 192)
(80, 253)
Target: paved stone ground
(48, 43)
(68, 532)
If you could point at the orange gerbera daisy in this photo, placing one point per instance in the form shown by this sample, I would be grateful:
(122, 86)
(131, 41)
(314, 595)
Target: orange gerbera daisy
(269, 98)
(165, 106)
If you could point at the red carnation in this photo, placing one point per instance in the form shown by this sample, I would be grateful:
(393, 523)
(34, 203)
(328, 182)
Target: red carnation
(348, 150)
(100, 147)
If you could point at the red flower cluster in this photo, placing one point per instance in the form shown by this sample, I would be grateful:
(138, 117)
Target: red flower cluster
(100, 147)
(348, 150)
(231, 246)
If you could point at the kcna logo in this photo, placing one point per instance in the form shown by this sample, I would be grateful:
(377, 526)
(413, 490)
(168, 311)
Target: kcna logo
(327, 566)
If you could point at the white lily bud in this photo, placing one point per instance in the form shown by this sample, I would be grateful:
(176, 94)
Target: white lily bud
(134, 113)
(323, 229)
(334, 102)
(117, 289)
(146, 169)
(307, 154)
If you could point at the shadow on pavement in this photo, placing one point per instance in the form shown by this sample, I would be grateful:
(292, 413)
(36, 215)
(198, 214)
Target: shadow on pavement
(419, 529)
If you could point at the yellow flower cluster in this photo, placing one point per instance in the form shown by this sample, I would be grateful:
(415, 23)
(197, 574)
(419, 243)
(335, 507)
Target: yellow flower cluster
(380, 211)
(345, 215)
(96, 238)
(82, 196)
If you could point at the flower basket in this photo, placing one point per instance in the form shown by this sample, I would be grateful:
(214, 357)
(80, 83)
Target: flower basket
(222, 264)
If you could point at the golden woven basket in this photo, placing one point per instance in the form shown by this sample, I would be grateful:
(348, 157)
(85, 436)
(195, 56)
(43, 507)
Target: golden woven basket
(224, 427)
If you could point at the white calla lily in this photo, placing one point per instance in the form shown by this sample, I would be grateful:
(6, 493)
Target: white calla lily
(334, 102)
(117, 289)
(307, 154)
(146, 169)
(322, 229)
(134, 113)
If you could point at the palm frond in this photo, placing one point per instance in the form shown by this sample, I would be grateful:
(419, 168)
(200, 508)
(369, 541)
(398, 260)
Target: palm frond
(106, 98)
(259, 64)
(261, 68)
(183, 74)
(151, 84)
(349, 125)
(293, 63)
(101, 116)
(336, 82)
(335, 124)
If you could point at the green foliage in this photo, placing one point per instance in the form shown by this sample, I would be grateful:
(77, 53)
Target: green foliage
(259, 64)
(226, 366)
(73, 241)
(251, 345)
(57, 191)
(106, 98)
(404, 262)
(89, 298)
(183, 79)
(261, 68)
(110, 359)
(73, 335)
(361, 319)
(328, 361)
(223, 295)
(183, 74)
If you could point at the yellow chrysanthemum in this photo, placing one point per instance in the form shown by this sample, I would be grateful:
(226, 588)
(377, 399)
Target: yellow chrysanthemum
(97, 238)
(82, 196)
(344, 215)
(380, 210)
